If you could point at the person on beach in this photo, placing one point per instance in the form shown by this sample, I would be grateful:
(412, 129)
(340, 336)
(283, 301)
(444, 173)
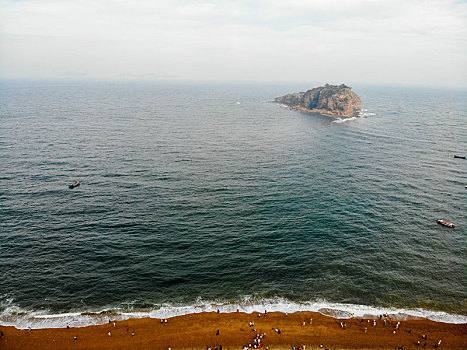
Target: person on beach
(67, 326)
(110, 334)
(132, 334)
(115, 325)
(75, 339)
(165, 321)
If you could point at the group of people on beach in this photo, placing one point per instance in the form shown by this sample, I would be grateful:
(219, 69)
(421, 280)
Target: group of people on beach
(109, 334)
(212, 348)
(257, 344)
(258, 337)
(387, 321)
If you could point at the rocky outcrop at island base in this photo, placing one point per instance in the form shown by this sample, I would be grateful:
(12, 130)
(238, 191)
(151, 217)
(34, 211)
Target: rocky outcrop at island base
(336, 100)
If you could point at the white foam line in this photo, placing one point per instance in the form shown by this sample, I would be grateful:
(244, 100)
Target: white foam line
(344, 120)
(71, 314)
(247, 305)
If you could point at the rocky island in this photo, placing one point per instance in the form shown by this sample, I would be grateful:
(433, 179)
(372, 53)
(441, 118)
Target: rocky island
(335, 100)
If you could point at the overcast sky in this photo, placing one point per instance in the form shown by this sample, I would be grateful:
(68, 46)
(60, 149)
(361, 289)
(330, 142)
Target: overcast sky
(403, 42)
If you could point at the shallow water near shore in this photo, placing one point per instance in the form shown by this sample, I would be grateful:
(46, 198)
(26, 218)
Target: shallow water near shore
(199, 195)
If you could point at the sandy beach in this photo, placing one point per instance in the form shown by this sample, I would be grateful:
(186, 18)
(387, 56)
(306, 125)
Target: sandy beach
(199, 331)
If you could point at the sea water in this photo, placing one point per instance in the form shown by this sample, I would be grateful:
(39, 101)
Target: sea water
(204, 196)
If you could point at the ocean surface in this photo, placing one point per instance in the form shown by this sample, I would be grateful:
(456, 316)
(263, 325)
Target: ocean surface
(206, 196)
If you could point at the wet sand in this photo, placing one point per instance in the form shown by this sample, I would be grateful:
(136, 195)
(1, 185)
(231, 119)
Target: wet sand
(198, 331)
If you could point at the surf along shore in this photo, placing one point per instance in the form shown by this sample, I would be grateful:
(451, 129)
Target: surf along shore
(199, 331)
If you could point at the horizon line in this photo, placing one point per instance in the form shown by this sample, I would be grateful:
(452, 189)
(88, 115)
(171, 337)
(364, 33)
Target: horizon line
(229, 81)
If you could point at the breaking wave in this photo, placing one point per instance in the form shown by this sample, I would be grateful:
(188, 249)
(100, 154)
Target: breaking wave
(22, 319)
(344, 120)
(363, 113)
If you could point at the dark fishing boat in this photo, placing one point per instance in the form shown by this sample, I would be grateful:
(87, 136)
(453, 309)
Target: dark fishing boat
(74, 184)
(461, 157)
(445, 223)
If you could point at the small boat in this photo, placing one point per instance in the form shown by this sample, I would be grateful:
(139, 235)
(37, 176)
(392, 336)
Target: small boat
(445, 223)
(461, 157)
(74, 184)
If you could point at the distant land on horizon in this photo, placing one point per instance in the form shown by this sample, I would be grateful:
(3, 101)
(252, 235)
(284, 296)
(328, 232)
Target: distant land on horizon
(178, 80)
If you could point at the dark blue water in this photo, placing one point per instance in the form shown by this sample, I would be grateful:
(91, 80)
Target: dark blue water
(208, 191)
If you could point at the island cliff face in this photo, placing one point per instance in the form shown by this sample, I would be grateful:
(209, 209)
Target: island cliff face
(336, 100)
